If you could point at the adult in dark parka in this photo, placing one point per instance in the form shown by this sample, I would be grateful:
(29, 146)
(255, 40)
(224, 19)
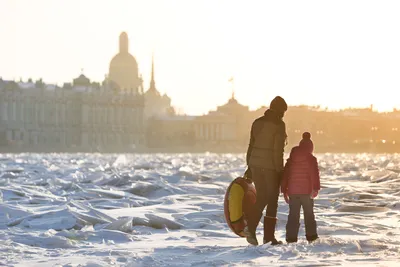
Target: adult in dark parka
(265, 167)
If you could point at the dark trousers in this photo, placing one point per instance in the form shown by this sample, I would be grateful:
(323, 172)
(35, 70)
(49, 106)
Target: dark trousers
(293, 223)
(267, 183)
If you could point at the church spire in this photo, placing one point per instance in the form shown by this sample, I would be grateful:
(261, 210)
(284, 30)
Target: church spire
(233, 88)
(152, 81)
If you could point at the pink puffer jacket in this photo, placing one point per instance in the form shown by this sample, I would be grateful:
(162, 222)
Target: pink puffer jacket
(301, 173)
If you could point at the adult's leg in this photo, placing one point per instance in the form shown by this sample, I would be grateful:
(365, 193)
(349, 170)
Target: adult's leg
(261, 200)
(293, 223)
(272, 190)
(254, 216)
(272, 184)
(309, 218)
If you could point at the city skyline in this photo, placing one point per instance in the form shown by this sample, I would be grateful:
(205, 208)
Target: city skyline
(311, 53)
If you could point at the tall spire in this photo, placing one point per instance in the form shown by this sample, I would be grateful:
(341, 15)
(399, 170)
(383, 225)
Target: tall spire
(152, 81)
(233, 88)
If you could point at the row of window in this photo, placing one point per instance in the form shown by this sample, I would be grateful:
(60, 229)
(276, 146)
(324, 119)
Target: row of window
(108, 115)
(215, 131)
(67, 114)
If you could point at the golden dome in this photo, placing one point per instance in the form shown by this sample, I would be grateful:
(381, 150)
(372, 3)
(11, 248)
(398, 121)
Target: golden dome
(123, 66)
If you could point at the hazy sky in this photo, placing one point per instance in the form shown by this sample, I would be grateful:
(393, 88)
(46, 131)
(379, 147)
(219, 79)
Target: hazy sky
(332, 53)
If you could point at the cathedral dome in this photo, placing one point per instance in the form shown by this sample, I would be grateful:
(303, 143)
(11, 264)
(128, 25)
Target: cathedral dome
(123, 66)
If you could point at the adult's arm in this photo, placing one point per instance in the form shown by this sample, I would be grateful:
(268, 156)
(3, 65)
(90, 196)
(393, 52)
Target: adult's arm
(251, 144)
(279, 146)
(285, 178)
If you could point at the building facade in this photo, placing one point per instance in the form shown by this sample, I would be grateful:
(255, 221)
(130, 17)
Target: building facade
(226, 128)
(79, 116)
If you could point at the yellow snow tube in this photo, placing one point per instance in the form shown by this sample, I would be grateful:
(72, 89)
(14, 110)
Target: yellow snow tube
(236, 195)
(239, 199)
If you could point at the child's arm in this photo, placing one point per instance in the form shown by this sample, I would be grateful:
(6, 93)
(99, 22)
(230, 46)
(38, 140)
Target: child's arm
(316, 178)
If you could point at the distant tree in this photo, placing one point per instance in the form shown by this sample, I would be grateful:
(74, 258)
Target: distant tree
(30, 80)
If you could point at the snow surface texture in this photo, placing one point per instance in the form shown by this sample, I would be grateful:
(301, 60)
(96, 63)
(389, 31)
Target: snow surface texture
(167, 210)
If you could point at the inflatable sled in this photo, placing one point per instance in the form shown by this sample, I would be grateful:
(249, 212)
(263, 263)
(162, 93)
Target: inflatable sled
(239, 197)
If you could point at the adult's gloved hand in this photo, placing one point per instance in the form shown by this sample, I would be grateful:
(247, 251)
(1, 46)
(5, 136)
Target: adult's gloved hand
(248, 173)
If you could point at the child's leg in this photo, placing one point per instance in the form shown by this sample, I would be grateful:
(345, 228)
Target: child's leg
(309, 218)
(293, 223)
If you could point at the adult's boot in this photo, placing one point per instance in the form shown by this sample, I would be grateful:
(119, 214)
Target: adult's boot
(253, 218)
(250, 236)
(269, 231)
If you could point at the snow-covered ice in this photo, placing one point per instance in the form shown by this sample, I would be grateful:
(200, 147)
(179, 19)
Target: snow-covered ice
(167, 210)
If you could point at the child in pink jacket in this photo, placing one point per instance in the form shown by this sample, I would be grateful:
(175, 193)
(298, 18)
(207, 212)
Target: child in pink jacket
(300, 185)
